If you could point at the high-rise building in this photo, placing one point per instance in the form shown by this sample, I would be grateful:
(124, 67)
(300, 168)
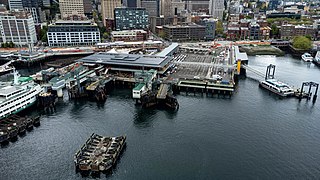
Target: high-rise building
(71, 8)
(216, 8)
(15, 4)
(31, 6)
(195, 5)
(107, 8)
(87, 8)
(4, 2)
(73, 33)
(152, 7)
(132, 3)
(166, 8)
(17, 27)
(273, 4)
(131, 18)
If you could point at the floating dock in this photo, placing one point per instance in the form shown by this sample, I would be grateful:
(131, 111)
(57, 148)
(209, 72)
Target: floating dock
(98, 154)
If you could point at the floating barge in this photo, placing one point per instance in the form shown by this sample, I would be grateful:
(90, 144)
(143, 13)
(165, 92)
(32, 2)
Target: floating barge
(98, 154)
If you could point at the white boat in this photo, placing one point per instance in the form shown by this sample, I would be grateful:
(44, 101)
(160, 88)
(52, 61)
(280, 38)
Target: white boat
(277, 87)
(18, 95)
(307, 57)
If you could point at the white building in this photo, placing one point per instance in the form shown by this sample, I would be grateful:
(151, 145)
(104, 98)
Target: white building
(216, 8)
(17, 27)
(73, 33)
(15, 4)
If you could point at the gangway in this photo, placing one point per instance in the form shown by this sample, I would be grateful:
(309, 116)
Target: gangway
(253, 70)
(163, 91)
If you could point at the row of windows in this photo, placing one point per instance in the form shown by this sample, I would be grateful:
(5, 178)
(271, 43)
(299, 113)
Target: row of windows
(15, 99)
(14, 108)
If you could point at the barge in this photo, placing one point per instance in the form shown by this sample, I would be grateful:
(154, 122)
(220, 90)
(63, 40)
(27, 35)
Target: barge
(98, 154)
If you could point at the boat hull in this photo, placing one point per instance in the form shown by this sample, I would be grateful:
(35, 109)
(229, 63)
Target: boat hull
(275, 91)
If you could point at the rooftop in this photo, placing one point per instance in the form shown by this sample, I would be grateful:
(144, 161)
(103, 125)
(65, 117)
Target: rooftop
(168, 49)
(71, 22)
(127, 60)
(183, 26)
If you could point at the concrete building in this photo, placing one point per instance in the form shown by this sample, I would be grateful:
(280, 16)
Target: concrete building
(87, 8)
(184, 32)
(152, 7)
(273, 4)
(70, 8)
(73, 33)
(131, 18)
(129, 35)
(216, 8)
(166, 8)
(17, 27)
(31, 6)
(132, 3)
(254, 29)
(289, 31)
(210, 30)
(107, 9)
(196, 5)
(15, 4)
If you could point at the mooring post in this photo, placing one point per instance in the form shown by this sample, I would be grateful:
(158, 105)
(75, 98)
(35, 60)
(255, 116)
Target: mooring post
(315, 94)
(301, 90)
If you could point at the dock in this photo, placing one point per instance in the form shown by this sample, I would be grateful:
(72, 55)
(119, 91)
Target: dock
(98, 154)
(15, 125)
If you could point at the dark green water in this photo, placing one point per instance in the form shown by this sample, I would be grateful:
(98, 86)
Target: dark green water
(253, 135)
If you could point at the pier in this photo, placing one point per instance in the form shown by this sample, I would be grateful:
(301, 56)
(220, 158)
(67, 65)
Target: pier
(14, 125)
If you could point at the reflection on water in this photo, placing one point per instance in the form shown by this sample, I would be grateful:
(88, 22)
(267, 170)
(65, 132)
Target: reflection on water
(253, 135)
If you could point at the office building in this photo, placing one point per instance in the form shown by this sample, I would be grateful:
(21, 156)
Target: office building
(17, 27)
(131, 18)
(31, 6)
(15, 4)
(129, 35)
(184, 32)
(216, 8)
(107, 9)
(73, 33)
(70, 8)
(152, 7)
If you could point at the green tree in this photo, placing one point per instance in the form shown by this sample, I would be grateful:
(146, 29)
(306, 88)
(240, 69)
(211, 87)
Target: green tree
(162, 34)
(301, 42)
(11, 44)
(219, 28)
(274, 30)
(309, 36)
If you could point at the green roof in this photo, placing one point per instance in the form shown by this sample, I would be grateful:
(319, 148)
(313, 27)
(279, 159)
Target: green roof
(139, 86)
(25, 79)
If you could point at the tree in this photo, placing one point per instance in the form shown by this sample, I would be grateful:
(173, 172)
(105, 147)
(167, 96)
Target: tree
(219, 28)
(162, 34)
(274, 30)
(11, 44)
(301, 42)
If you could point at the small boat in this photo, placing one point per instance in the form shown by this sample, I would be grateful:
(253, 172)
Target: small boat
(277, 87)
(307, 57)
(316, 59)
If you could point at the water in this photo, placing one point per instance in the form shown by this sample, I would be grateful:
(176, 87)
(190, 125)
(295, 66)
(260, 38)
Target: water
(253, 135)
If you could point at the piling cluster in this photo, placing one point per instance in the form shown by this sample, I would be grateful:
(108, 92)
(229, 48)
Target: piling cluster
(15, 125)
(98, 154)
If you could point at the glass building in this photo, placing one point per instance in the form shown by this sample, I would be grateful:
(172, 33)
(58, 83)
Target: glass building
(130, 18)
